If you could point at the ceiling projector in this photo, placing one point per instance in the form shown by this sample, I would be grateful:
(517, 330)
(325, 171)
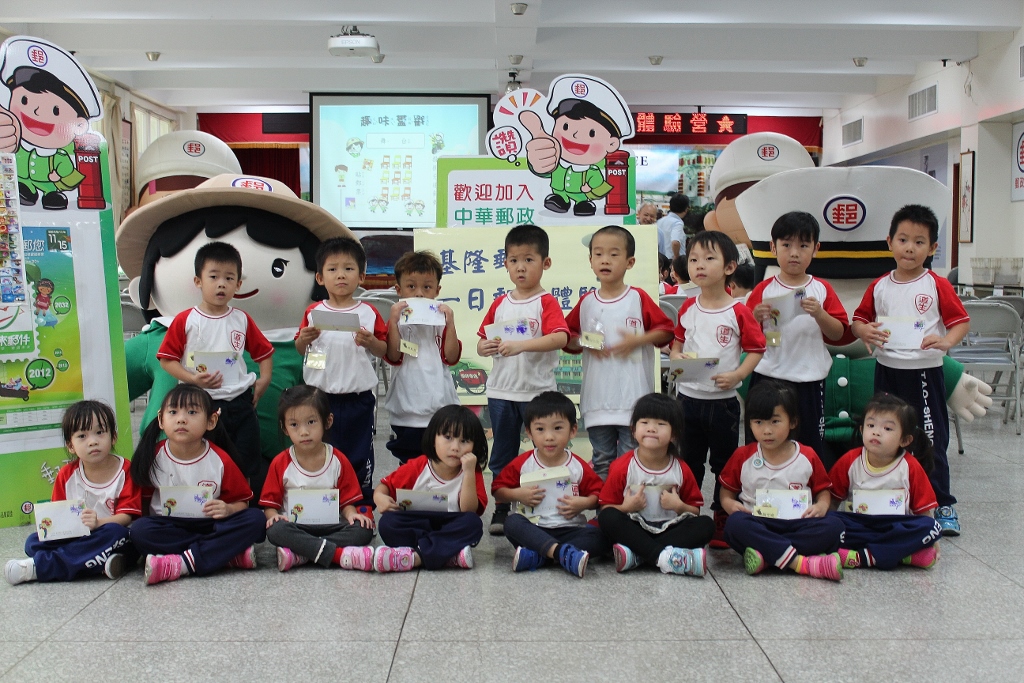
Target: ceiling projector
(351, 43)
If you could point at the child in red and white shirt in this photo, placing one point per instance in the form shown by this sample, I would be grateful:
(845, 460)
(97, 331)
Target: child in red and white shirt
(101, 481)
(456, 451)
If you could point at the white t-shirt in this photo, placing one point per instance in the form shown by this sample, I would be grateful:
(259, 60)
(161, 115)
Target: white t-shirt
(348, 367)
(418, 475)
(214, 468)
(721, 333)
(114, 497)
(627, 471)
(744, 474)
(671, 229)
(852, 472)
(421, 384)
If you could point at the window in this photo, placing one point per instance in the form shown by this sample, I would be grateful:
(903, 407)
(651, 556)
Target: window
(148, 126)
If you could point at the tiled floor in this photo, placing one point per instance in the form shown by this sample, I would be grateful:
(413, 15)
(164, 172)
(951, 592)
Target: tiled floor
(963, 620)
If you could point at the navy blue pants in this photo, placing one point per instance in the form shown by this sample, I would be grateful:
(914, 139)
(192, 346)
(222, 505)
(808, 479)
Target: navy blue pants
(407, 443)
(925, 390)
(810, 429)
(506, 423)
(884, 540)
(436, 536)
(522, 532)
(709, 425)
(207, 544)
(239, 419)
(352, 434)
(780, 540)
(619, 527)
(71, 557)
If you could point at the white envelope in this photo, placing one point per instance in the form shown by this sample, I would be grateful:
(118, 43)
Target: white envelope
(60, 519)
(421, 311)
(652, 492)
(228, 363)
(556, 482)
(904, 332)
(185, 501)
(509, 330)
(312, 506)
(334, 321)
(786, 307)
(692, 369)
(422, 501)
(880, 502)
(791, 504)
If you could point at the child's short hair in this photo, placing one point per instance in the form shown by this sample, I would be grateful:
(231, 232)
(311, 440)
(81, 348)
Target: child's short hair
(548, 403)
(528, 235)
(915, 213)
(678, 203)
(714, 239)
(38, 81)
(626, 236)
(743, 277)
(418, 262)
(303, 395)
(664, 265)
(460, 422)
(679, 266)
(660, 407)
(81, 416)
(217, 252)
(340, 246)
(905, 414)
(798, 225)
(576, 110)
(766, 395)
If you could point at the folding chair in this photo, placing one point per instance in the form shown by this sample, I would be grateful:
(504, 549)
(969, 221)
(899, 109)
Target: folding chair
(1016, 301)
(675, 299)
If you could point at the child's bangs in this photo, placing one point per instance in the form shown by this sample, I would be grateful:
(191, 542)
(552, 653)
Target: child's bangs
(187, 397)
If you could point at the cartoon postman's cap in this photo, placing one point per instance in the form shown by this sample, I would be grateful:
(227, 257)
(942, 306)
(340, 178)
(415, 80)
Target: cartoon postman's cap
(22, 58)
(185, 153)
(754, 157)
(567, 90)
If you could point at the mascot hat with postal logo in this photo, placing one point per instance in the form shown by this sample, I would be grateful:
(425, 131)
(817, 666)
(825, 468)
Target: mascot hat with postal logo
(185, 153)
(223, 190)
(754, 157)
(566, 91)
(22, 57)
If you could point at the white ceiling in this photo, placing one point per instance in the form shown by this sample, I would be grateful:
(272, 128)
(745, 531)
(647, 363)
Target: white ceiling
(746, 53)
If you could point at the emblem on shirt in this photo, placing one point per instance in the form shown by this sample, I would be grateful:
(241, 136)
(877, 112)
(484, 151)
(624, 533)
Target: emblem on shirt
(923, 302)
(111, 505)
(793, 486)
(207, 482)
(724, 335)
(634, 324)
(237, 339)
(534, 326)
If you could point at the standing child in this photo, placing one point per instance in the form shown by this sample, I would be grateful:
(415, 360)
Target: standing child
(909, 535)
(617, 327)
(341, 363)
(100, 478)
(455, 450)
(797, 353)
(305, 415)
(560, 533)
(216, 326)
(667, 530)
(522, 369)
(193, 454)
(714, 325)
(421, 383)
(806, 545)
(915, 375)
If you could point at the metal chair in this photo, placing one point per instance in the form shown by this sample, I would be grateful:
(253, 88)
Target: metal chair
(1016, 301)
(668, 309)
(675, 299)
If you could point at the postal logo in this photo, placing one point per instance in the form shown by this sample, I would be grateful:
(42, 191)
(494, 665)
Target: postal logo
(923, 302)
(844, 213)
(237, 339)
(194, 148)
(580, 89)
(724, 335)
(37, 55)
(252, 184)
(768, 152)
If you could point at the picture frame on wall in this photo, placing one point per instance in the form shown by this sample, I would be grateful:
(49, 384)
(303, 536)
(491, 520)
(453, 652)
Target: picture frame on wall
(966, 198)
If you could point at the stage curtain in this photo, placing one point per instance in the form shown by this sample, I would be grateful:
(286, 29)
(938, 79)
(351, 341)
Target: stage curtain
(278, 163)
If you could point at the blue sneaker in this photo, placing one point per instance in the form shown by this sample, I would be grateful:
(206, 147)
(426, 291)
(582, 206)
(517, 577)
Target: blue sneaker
(526, 560)
(685, 561)
(948, 521)
(573, 560)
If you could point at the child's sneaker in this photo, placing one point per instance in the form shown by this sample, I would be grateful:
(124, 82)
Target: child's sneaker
(625, 559)
(464, 560)
(286, 559)
(573, 560)
(497, 527)
(116, 566)
(753, 561)
(245, 559)
(20, 571)
(160, 568)
(685, 561)
(850, 559)
(718, 540)
(357, 557)
(526, 560)
(388, 559)
(924, 558)
(822, 567)
(948, 520)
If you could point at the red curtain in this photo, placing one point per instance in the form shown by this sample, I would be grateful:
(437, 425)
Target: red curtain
(278, 163)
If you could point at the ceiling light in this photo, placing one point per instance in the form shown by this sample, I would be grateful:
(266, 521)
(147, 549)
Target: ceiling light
(377, 58)
(518, 8)
(515, 60)
(152, 56)
(512, 84)
(655, 60)
(860, 61)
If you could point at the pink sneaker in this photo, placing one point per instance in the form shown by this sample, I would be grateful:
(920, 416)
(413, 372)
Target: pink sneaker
(823, 567)
(387, 559)
(160, 568)
(358, 557)
(849, 558)
(924, 558)
(286, 559)
(245, 559)
(464, 560)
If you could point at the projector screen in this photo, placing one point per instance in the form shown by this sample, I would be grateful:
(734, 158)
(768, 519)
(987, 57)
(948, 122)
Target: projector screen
(374, 157)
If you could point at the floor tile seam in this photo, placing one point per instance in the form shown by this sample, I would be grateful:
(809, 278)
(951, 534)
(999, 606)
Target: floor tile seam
(22, 658)
(401, 629)
(110, 584)
(979, 559)
(728, 601)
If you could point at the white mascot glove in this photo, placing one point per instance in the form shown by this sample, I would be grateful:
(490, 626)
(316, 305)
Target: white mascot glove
(970, 398)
